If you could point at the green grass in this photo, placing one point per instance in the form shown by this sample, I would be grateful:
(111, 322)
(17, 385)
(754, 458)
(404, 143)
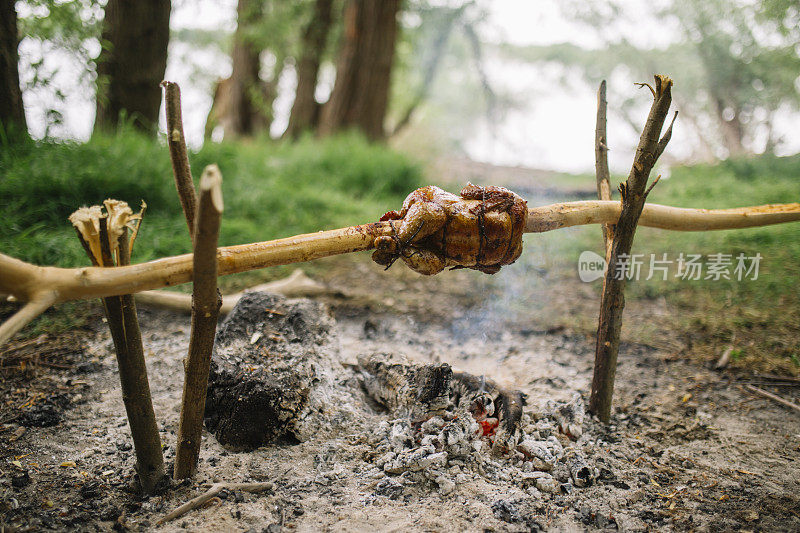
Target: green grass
(759, 317)
(270, 190)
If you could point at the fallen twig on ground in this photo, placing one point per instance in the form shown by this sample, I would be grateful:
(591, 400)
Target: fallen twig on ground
(215, 489)
(773, 397)
(774, 377)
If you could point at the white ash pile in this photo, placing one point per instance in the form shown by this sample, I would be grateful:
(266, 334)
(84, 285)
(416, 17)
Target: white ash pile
(453, 427)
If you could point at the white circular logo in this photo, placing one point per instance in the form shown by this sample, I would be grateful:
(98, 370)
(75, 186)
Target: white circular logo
(591, 266)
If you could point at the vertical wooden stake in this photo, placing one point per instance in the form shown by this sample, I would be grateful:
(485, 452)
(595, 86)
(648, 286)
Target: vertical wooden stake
(136, 389)
(634, 193)
(203, 222)
(178, 153)
(206, 303)
(601, 162)
(124, 326)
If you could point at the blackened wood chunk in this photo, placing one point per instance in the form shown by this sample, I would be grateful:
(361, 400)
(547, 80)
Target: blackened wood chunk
(269, 355)
(418, 391)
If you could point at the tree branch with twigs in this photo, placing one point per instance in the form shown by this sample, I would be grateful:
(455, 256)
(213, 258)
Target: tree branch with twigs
(634, 193)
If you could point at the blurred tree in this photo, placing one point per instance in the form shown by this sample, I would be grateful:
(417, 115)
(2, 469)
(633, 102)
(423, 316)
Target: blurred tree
(305, 109)
(431, 43)
(266, 36)
(736, 63)
(363, 69)
(246, 117)
(65, 33)
(132, 63)
(746, 78)
(12, 112)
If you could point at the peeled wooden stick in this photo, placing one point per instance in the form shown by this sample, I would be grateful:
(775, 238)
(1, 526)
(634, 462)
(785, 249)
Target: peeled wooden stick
(555, 216)
(27, 282)
(205, 312)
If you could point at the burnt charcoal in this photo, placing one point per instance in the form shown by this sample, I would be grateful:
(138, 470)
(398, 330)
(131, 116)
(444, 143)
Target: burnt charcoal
(300, 320)
(253, 409)
(20, 479)
(390, 488)
(419, 390)
(581, 473)
(569, 416)
(422, 391)
(269, 356)
(41, 416)
(506, 511)
(508, 404)
(88, 367)
(370, 329)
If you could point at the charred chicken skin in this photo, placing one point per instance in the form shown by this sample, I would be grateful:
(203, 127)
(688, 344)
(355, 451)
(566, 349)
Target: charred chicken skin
(481, 229)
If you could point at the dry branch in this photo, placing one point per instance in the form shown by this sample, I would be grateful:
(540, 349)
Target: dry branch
(177, 152)
(555, 216)
(295, 285)
(215, 489)
(136, 389)
(773, 397)
(27, 282)
(601, 161)
(773, 377)
(205, 312)
(634, 193)
(105, 236)
(26, 314)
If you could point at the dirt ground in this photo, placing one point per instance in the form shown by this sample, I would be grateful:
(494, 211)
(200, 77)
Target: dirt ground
(689, 448)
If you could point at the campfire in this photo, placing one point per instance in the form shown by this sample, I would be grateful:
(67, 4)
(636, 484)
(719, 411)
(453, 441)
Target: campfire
(278, 373)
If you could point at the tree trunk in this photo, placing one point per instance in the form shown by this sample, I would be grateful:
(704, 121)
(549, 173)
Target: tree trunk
(305, 110)
(732, 130)
(244, 112)
(363, 70)
(132, 65)
(12, 113)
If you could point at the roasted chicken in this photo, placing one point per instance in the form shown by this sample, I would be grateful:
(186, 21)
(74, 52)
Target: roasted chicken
(481, 229)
